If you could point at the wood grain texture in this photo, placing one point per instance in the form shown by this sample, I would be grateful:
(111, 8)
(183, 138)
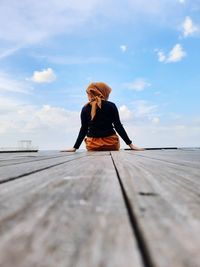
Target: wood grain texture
(180, 157)
(26, 167)
(69, 215)
(164, 198)
(9, 159)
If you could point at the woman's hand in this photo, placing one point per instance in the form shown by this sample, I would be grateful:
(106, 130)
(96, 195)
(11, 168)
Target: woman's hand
(133, 147)
(69, 150)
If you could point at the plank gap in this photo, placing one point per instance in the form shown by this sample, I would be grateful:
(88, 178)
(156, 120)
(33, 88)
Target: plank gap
(29, 161)
(35, 171)
(162, 160)
(143, 248)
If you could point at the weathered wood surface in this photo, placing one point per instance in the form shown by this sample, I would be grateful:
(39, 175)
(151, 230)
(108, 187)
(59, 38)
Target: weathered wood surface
(68, 215)
(181, 157)
(12, 169)
(164, 199)
(102, 209)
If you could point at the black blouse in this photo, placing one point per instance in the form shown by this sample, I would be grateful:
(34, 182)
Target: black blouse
(105, 122)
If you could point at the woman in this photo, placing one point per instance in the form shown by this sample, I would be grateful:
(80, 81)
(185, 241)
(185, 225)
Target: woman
(100, 121)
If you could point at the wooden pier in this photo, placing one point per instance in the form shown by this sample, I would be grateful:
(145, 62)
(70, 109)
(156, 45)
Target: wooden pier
(100, 209)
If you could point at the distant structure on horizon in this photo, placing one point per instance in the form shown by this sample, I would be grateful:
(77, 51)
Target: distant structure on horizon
(23, 146)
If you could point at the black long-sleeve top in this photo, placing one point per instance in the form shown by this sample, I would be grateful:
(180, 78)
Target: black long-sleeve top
(104, 124)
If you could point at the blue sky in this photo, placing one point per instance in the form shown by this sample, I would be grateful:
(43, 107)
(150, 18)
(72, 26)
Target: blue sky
(147, 51)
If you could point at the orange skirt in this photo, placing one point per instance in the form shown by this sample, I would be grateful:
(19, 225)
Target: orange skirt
(102, 143)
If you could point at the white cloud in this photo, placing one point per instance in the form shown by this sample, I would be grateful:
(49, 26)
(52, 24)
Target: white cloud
(9, 51)
(44, 76)
(8, 104)
(137, 85)
(33, 21)
(188, 27)
(49, 127)
(140, 111)
(143, 109)
(8, 110)
(150, 135)
(123, 48)
(161, 56)
(182, 1)
(156, 120)
(8, 84)
(57, 128)
(176, 54)
(53, 118)
(125, 113)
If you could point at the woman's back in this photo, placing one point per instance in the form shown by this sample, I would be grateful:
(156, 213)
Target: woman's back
(102, 124)
(99, 120)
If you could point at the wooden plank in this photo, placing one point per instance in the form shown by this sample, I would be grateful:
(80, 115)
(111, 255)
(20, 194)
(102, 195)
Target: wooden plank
(40, 154)
(69, 215)
(7, 161)
(9, 173)
(180, 157)
(156, 148)
(19, 151)
(9, 157)
(165, 204)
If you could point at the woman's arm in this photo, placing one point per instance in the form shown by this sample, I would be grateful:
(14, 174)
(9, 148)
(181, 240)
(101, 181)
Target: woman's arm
(82, 133)
(121, 131)
(133, 147)
(119, 127)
